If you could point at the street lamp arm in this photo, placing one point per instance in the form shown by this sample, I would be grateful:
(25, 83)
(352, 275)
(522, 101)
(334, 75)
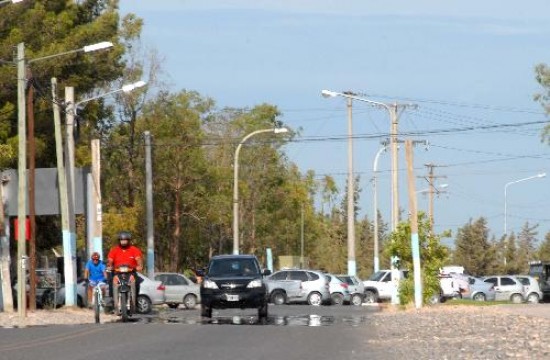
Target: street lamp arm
(124, 88)
(329, 93)
(88, 48)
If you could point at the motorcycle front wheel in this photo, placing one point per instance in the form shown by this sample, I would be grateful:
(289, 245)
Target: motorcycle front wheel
(124, 306)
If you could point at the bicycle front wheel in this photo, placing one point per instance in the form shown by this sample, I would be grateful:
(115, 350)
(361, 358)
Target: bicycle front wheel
(97, 306)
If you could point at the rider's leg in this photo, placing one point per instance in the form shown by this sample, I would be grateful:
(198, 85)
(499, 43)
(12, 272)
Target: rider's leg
(115, 296)
(89, 288)
(134, 293)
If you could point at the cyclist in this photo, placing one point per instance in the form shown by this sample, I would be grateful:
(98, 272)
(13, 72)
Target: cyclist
(95, 274)
(125, 254)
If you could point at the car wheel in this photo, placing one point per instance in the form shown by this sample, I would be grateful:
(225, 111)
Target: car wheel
(314, 299)
(143, 305)
(337, 299)
(79, 301)
(190, 301)
(370, 297)
(206, 311)
(516, 298)
(356, 299)
(533, 298)
(262, 311)
(479, 297)
(173, 306)
(278, 298)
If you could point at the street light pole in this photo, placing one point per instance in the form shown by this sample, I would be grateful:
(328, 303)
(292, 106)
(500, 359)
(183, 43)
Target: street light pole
(538, 176)
(375, 204)
(236, 184)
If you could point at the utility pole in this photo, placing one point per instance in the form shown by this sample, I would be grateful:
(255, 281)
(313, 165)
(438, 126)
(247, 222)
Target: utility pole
(431, 192)
(352, 267)
(97, 213)
(395, 111)
(415, 246)
(22, 183)
(149, 205)
(69, 243)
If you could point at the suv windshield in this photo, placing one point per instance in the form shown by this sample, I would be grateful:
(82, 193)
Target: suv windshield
(377, 276)
(233, 267)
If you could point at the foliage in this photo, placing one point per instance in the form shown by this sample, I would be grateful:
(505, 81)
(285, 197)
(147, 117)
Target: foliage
(473, 250)
(433, 256)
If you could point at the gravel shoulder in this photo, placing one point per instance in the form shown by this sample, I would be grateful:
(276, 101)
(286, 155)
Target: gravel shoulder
(61, 316)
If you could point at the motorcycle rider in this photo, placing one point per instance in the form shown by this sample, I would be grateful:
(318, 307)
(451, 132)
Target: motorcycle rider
(95, 274)
(125, 254)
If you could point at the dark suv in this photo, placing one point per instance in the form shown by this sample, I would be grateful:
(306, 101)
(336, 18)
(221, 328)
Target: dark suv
(234, 281)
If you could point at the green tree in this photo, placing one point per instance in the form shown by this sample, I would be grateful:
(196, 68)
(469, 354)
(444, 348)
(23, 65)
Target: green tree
(433, 255)
(527, 243)
(543, 251)
(473, 249)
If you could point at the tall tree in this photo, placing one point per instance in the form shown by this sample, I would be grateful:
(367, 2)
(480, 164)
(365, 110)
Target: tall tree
(472, 247)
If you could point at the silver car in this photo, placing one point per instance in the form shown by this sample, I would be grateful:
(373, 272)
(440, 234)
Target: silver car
(315, 285)
(356, 288)
(179, 290)
(507, 288)
(339, 292)
(532, 291)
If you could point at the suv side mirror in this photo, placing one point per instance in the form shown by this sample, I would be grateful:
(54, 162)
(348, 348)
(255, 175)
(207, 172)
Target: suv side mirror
(266, 272)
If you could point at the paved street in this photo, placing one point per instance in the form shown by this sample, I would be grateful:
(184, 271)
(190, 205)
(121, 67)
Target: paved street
(291, 332)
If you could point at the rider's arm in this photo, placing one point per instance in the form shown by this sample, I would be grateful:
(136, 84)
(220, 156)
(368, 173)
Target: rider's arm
(139, 266)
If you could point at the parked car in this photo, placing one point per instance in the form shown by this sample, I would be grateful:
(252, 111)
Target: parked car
(46, 297)
(380, 286)
(179, 290)
(314, 285)
(283, 291)
(507, 288)
(151, 292)
(339, 292)
(234, 281)
(532, 292)
(355, 287)
(479, 290)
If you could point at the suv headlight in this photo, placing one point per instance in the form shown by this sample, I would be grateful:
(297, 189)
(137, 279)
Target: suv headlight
(209, 284)
(254, 284)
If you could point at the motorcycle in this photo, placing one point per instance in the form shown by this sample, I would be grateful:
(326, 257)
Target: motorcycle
(124, 284)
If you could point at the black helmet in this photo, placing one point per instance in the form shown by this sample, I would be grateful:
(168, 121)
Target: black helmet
(124, 235)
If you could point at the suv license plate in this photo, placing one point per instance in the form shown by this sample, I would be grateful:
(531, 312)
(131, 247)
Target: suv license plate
(232, 297)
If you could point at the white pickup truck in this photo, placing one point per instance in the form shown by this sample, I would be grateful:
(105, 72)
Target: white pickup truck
(380, 286)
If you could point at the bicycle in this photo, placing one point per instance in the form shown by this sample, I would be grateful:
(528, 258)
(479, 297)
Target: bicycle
(97, 300)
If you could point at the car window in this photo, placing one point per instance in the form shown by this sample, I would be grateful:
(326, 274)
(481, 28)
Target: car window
(507, 281)
(313, 276)
(176, 280)
(492, 280)
(161, 278)
(233, 267)
(298, 275)
(377, 276)
(281, 275)
(347, 279)
(524, 281)
(387, 277)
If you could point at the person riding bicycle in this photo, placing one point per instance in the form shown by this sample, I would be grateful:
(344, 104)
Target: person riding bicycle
(95, 274)
(125, 254)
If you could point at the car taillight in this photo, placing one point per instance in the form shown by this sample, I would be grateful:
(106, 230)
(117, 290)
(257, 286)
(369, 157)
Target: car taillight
(161, 287)
(345, 286)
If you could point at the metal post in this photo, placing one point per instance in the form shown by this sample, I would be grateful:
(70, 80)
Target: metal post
(149, 205)
(22, 182)
(351, 192)
(7, 297)
(375, 204)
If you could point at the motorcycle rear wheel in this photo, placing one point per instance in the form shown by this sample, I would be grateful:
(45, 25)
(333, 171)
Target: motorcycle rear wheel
(124, 306)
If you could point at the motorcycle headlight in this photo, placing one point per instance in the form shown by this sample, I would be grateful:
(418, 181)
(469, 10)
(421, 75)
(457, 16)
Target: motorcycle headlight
(123, 268)
(209, 284)
(254, 284)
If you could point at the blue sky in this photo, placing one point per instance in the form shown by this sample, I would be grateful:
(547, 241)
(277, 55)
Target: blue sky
(466, 64)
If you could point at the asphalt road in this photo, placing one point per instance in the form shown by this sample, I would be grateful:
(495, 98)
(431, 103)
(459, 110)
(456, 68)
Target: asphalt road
(291, 332)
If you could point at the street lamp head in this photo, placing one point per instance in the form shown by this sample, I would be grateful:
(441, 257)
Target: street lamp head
(130, 87)
(541, 175)
(98, 46)
(280, 130)
(328, 93)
